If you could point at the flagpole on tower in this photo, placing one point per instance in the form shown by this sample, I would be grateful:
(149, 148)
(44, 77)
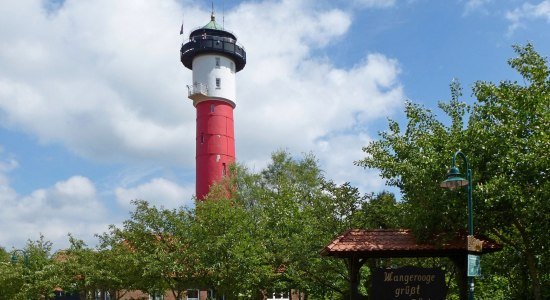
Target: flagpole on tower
(181, 28)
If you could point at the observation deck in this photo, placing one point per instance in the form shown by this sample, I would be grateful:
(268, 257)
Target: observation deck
(214, 40)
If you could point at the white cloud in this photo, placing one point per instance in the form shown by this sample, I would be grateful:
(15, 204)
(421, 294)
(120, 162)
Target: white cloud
(72, 206)
(101, 78)
(527, 12)
(69, 206)
(104, 80)
(7, 164)
(158, 192)
(288, 98)
(338, 151)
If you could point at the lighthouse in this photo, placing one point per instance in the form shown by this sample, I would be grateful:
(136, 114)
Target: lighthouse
(213, 55)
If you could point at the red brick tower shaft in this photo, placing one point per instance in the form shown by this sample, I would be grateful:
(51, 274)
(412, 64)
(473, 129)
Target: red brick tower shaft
(215, 143)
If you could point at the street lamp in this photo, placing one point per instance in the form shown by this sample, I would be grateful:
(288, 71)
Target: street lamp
(15, 257)
(455, 180)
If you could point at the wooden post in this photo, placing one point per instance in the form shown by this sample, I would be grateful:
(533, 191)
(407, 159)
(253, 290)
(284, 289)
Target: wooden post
(354, 269)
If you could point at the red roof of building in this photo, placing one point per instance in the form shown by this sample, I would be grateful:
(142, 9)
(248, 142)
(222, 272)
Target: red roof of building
(398, 243)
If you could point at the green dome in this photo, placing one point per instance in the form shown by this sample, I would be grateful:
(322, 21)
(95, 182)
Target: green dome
(212, 24)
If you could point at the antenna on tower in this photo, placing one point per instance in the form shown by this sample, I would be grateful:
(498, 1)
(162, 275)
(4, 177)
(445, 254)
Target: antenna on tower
(223, 14)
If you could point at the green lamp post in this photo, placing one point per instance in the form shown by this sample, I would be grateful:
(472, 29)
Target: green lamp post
(455, 180)
(15, 257)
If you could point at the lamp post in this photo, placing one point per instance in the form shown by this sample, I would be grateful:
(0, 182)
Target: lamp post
(15, 258)
(455, 180)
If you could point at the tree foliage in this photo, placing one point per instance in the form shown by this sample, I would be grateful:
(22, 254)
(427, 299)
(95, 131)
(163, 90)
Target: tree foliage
(505, 136)
(28, 272)
(288, 212)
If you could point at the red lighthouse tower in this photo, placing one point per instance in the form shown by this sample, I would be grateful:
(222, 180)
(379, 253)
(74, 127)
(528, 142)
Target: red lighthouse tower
(214, 56)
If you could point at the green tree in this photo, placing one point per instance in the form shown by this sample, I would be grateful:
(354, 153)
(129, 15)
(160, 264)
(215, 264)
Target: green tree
(515, 174)
(264, 233)
(506, 140)
(159, 243)
(228, 248)
(381, 211)
(83, 271)
(28, 274)
(297, 212)
(117, 270)
(11, 276)
(74, 268)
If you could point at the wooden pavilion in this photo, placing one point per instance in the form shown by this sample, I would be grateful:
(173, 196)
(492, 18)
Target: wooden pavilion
(358, 245)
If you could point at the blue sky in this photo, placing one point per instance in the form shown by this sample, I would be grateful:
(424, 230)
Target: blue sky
(93, 107)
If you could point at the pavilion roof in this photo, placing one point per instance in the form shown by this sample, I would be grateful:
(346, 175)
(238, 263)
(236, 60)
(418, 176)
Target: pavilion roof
(399, 243)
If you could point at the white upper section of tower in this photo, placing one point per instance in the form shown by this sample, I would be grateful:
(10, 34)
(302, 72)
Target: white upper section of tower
(214, 56)
(213, 77)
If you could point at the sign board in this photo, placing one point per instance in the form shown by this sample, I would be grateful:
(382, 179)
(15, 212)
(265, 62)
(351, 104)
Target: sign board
(474, 245)
(410, 283)
(474, 266)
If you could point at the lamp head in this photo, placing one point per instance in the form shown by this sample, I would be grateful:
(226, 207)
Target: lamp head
(15, 257)
(454, 179)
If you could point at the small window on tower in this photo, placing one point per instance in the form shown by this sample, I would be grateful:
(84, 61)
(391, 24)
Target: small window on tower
(217, 62)
(212, 108)
(202, 137)
(224, 170)
(218, 83)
